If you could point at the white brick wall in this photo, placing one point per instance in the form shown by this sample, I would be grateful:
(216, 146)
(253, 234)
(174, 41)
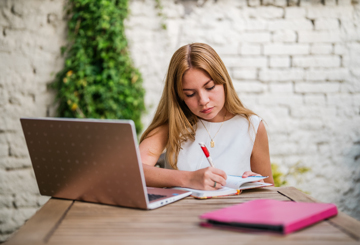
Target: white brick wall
(31, 33)
(290, 49)
(296, 66)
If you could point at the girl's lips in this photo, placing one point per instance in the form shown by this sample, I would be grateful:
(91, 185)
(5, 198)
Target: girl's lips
(207, 110)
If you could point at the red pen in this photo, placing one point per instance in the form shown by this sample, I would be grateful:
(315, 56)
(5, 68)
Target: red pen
(207, 154)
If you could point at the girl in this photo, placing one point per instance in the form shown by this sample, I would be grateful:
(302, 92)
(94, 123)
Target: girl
(199, 104)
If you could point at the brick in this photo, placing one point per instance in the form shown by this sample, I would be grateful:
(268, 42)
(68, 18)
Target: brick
(284, 150)
(14, 163)
(247, 74)
(311, 124)
(356, 99)
(230, 49)
(279, 61)
(329, 11)
(286, 49)
(324, 149)
(292, 3)
(350, 87)
(295, 13)
(280, 112)
(254, 3)
(5, 215)
(320, 87)
(281, 99)
(277, 127)
(310, 3)
(290, 24)
(250, 49)
(42, 200)
(339, 99)
(281, 87)
(23, 214)
(355, 72)
(355, 47)
(18, 150)
(326, 24)
(138, 9)
(339, 49)
(14, 180)
(340, 74)
(315, 112)
(330, 2)
(249, 86)
(254, 37)
(4, 150)
(255, 24)
(316, 61)
(284, 36)
(268, 12)
(6, 201)
(314, 99)
(277, 75)
(245, 61)
(172, 10)
(345, 2)
(321, 48)
(25, 200)
(319, 37)
(280, 3)
(249, 99)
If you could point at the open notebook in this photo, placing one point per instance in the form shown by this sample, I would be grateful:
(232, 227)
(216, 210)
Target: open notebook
(234, 185)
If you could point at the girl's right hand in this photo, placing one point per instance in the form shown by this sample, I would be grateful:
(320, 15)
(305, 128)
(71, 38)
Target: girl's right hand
(204, 179)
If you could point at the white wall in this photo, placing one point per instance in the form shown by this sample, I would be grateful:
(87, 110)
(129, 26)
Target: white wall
(296, 66)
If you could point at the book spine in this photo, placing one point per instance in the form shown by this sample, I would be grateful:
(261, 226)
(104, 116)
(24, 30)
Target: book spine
(288, 228)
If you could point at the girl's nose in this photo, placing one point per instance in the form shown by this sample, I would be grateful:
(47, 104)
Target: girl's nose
(203, 98)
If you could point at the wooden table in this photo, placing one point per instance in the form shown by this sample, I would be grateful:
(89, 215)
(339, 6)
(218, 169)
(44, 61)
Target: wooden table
(68, 222)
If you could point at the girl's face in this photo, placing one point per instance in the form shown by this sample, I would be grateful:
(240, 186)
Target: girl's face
(202, 96)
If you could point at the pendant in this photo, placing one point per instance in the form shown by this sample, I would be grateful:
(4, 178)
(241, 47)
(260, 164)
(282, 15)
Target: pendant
(212, 144)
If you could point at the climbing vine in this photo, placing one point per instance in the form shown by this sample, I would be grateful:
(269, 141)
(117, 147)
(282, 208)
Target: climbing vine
(98, 79)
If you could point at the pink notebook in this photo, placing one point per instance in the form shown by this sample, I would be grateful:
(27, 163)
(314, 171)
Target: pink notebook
(269, 215)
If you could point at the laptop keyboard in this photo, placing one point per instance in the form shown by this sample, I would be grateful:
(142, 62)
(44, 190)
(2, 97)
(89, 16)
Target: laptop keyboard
(153, 197)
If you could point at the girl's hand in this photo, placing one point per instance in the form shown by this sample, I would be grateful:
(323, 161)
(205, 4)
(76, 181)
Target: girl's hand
(249, 173)
(204, 179)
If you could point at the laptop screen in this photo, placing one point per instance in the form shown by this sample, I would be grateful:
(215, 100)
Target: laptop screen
(86, 159)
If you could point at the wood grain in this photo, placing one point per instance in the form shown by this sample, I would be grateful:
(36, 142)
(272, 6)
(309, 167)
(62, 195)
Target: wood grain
(36, 229)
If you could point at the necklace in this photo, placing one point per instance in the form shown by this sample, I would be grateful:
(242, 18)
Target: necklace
(212, 142)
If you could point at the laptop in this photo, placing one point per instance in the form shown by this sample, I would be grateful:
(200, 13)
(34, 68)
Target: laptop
(91, 160)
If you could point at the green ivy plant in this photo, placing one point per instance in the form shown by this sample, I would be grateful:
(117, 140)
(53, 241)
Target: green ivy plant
(99, 79)
(162, 16)
(295, 171)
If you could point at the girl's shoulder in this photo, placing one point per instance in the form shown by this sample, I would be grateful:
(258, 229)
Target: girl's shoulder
(252, 124)
(254, 119)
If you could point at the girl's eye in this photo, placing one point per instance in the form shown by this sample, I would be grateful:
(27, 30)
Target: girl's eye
(210, 88)
(189, 95)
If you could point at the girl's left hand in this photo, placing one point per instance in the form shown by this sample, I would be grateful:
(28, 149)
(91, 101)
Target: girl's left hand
(249, 173)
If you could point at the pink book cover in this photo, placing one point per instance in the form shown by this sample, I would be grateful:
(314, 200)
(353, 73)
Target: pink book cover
(267, 214)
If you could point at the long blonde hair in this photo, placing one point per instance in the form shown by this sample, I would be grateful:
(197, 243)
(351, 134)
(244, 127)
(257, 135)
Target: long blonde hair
(172, 109)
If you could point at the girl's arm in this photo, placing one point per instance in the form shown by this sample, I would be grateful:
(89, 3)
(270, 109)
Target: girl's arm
(150, 151)
(260, 156)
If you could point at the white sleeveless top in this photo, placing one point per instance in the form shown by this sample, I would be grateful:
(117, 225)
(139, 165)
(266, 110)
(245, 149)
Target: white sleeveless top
(233, 146)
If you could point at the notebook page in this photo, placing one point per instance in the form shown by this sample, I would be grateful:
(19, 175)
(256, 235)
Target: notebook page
(235, 182)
